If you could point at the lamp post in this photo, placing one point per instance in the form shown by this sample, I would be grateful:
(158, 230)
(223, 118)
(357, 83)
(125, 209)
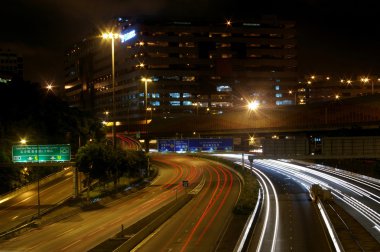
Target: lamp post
(146, 80)
(365, 81)
(295, 96)
(112, 36)
(252, 107)
(23, 142)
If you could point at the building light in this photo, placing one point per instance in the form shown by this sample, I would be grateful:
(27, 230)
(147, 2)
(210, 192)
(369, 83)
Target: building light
(127, 36)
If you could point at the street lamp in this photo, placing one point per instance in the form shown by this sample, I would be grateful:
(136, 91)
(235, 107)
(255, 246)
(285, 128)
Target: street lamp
(365, 80)
(295, 96)
(252, 106)
(112, 37)
(23, 141)
(49, 86)
(146, 80)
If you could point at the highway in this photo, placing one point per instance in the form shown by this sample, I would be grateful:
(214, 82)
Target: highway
(299, 227)
(289, 220)
(200, 224)
(21, 207)
(209, 210)
(358, 195)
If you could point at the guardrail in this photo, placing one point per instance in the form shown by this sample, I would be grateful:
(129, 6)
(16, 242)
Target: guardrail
(248, 228)
(15, 230)
(333, 235)
(153, 225)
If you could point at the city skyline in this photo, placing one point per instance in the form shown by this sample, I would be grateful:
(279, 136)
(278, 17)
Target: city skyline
(332, 37)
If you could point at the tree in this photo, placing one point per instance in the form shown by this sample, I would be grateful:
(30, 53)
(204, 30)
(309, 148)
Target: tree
(28, 110)
(101, 162)
(9, 177)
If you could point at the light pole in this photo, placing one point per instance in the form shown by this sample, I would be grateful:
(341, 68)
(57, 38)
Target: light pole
(23, 142)
(295, 96)
(252, 107)
(113, 36)
(146, 80)
(365, 81)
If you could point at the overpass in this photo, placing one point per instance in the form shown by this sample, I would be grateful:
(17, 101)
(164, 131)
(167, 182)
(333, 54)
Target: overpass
(349, 114)
(317, 124)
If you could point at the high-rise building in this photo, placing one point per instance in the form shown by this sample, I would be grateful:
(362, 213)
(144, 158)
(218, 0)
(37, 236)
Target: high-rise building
(11, 66)
(192, 67)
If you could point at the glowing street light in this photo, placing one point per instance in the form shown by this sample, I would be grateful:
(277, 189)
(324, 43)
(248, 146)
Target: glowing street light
(146, 80)
(49, 87)
(365, 80)
(253, 105)
(112, 37)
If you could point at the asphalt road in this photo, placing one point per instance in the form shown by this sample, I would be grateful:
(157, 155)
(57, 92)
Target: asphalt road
(24, 205)
(85, 230)
(288, 220)
(299, 227)
(200, 224)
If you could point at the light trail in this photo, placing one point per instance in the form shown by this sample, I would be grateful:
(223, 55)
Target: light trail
(363, 200)
(311, 176)
(267, 183)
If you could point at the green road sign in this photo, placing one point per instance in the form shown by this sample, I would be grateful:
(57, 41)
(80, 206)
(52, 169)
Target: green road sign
(41, 153)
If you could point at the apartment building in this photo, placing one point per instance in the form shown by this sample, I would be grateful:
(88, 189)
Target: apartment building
(11, 66)
(189, 66)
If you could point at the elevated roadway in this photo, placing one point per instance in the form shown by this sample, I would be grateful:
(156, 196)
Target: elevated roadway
(332, 118)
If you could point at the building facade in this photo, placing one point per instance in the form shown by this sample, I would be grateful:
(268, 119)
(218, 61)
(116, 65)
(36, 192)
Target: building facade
(322, 88)
(11, 66)
(192, 67)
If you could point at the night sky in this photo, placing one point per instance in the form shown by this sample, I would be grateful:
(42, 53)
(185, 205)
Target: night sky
(334, 36)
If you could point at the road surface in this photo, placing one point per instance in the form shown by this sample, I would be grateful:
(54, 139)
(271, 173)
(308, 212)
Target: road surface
(85, 230)
(201, 224)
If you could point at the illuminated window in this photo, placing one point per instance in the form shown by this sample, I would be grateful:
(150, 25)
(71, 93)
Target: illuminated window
(278, 95)
(186, 95)
(175, 103)
(284, 102)
(277, 87)
(187, 44)
(224, 35)
(171, 78)
(188, 78)
(158, 43)
(221, 104)
(223, 88)
(226, 55)
(174, 95)
(187, 103)
(155, 103)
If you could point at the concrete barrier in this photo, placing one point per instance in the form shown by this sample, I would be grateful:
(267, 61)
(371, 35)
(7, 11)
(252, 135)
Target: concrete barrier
(329, 226)
(148, 229)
